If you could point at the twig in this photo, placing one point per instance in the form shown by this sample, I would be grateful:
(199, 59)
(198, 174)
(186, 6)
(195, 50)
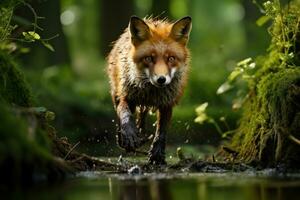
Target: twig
(50, 38)
(292, 138)
(71, 150)
(29, 41)
(36, 17)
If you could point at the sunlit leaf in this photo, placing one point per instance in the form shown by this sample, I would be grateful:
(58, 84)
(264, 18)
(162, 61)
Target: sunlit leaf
(27, 36)
(237, 103)
(201, 118)
(224, 88)
(34, 35)
(235, 73)
(252, 65)
(201, 115)
(262, 20)
(201, 109)
(31, 36)
(244, 62)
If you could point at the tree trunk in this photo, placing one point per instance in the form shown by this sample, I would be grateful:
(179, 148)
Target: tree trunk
(115, 17)
(161, 9)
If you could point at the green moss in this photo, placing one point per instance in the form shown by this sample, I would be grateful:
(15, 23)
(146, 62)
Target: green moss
(13, 87)
(271, 112)
(270, 116)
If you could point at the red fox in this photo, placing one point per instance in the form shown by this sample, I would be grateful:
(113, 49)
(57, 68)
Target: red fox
(148, 68)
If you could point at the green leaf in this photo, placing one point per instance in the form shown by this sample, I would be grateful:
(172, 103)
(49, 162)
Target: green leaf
(201, 118)
(48, 46)
(235, 73)
(34, 35)
(251, 65)
(262, 20)
(201, 109)
(224, 88)
(31, 36)
(244, 62)
(27, 36)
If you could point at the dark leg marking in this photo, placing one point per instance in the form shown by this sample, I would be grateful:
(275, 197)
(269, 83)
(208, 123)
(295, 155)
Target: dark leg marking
(157, 151)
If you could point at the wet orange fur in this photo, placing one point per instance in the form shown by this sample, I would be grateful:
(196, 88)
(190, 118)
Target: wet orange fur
(159, 33)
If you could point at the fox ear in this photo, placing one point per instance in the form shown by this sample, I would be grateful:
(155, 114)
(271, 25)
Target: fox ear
(139, 30)
(181, 30)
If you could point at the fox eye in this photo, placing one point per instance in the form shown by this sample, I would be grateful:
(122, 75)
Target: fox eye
(148, 59)
(171, 58)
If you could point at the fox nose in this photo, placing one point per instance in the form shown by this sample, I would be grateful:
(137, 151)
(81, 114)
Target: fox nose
(161, 80)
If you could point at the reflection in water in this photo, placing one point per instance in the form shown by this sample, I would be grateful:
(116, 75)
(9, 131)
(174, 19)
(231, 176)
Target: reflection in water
(141, 189)
(205, 188)
(162, 187)
(212, 188)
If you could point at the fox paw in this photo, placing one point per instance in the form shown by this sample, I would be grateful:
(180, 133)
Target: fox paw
(127, 137)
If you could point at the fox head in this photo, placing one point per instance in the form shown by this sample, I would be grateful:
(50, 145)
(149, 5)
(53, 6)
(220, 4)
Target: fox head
(159, 48)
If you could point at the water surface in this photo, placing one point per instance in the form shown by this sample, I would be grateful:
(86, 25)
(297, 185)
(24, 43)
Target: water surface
(202, 186)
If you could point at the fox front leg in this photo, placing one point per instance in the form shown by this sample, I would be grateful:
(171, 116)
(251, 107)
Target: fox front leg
(127, 136)
(157, 151)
